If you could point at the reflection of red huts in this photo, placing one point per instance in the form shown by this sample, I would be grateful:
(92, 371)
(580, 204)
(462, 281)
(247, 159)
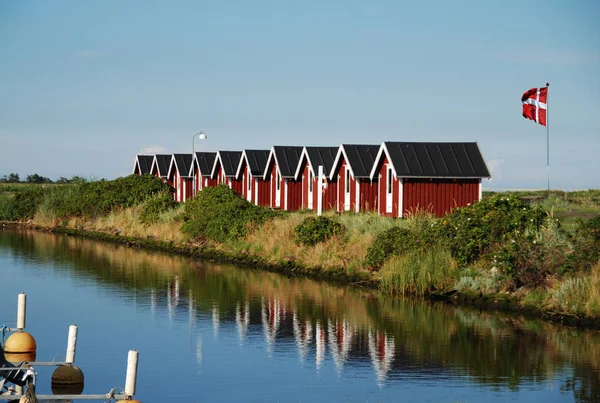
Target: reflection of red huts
(427, 176)
(381, 350)
(250, 171)
(142, 164)
(160, 167)
(307, 172)
(286, 191)
(179, 176)
(271, 314)
(302, 334)
(200, 171)
(225, 168)
(340, 340)
(356, 191)
(242, 319)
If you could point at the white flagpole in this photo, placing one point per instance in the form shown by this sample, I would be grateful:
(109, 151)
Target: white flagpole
(548, 136)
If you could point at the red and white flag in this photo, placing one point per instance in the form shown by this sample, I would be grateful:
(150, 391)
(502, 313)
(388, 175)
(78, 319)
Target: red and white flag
(534, 104)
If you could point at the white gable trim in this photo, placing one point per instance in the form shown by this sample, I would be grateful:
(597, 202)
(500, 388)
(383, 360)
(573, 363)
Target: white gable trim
(274, 157)
(171, 166)
(383, 149)
(341, 152)
(302, 155)
(243, 158)
(217, 162)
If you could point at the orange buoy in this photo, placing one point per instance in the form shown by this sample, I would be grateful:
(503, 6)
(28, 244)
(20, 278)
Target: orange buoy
(20, 346)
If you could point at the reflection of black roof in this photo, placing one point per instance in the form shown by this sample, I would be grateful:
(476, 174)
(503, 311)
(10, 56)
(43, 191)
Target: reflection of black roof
(257, 161)
(183, 162)
(431, 160)
(205, 161)
(230, 161)
(361, 158)
(145, 163)
(163, 161)
(322, 156)
(288, 158)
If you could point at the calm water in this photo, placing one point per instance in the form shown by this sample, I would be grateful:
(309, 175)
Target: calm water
(216, 333)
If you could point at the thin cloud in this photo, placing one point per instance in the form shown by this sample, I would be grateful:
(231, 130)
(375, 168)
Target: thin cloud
(495, 167)
(152, 150)
(88, 54)
(556, 57)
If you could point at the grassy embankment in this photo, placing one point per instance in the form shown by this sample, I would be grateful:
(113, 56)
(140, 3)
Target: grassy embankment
(537, 251)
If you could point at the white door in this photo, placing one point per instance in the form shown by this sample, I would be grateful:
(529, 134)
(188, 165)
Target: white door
(388, 189)
(248, 186)
(277, 189)
(347, 189)
(311, 179)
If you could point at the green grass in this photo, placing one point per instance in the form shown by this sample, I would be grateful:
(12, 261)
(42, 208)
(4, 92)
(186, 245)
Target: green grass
(418, 272)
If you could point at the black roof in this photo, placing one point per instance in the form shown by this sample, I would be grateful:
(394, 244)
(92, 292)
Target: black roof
(206, 161)
(322, 156)
(361, 158)
(288, 158)
(230, 161)
(145, 163)
(163, 161)
(183, 163)
(257, 161)
(431, 160)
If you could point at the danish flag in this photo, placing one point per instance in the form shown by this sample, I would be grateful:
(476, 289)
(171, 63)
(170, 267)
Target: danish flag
(534, 104)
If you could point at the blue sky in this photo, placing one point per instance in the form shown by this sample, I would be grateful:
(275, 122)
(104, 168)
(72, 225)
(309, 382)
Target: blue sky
(85, 86)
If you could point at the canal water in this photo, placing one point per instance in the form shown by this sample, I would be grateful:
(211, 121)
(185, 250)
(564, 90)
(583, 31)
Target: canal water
(208, 332)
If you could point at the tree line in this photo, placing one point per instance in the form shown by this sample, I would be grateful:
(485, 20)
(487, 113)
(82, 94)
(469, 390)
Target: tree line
(35, 178)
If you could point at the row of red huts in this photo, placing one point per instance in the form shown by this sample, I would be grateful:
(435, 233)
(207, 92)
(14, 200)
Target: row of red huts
(393, 179)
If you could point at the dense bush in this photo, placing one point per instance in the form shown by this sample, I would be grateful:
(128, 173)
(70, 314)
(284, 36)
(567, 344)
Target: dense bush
(586, 244)
(470, 230)
(25, 204)
(86, 199)
(392, 242)
(155, 205)
(218, 213)
(313, 230)
(7, 212)
(100, 197)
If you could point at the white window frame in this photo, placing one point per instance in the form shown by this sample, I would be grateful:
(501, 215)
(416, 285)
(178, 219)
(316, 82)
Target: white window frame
(347, 188)
(389, 189)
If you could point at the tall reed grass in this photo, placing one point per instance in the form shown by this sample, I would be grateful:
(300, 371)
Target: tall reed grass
(418, 272)
(579, 295)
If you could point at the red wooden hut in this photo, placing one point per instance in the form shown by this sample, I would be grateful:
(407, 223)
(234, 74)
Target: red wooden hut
(179, 175)
(201, 170)
(142, 164)
(250, 171)
(428, 176)
(286, 191)
(308, 173)
(225, 168)
(356, 191)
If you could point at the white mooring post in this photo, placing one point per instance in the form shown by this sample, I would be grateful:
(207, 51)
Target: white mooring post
(21, 309)
(320, 192)
(131, 378)
(71, 344)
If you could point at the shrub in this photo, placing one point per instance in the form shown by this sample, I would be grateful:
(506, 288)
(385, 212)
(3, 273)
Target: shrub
(392, 242)
(98, 198)
(219, 214)
(313, 230)
(469, 231)
(25, 204)
(7, 208)
(154, 206)
(586, 244)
